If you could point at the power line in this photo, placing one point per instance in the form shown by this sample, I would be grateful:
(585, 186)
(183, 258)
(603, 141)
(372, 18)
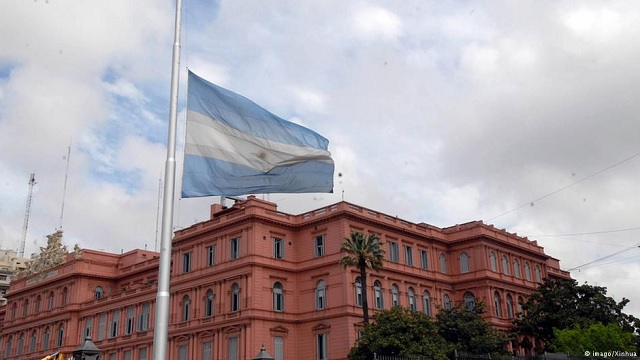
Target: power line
(587, 233)
(606, 257)
(530, 203)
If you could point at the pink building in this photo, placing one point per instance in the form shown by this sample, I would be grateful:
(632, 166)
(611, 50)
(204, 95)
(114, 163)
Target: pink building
(252, 275)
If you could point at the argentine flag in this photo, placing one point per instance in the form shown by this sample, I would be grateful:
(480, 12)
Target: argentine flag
(235, 147)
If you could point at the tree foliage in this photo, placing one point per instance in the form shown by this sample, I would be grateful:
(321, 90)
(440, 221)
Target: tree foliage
(595, 337)
(363, 252)
(563, 304)
(465, 330)
(400, 332)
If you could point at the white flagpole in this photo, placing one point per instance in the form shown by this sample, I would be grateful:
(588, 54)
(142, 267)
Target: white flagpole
(161, 326)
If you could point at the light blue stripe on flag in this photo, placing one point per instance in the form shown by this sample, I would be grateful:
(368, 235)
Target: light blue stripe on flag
(235, 147)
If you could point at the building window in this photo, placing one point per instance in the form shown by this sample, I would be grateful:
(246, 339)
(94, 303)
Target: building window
(278, 348)
(142, 353)
(65, 296)
(424, 262)
(38, 302)
(127, 355)
(464, 263)
(408, 255)
(469, 301)
(358, 286)
(25, 308)
(278, 248)
(493, 261)
(7, 353)
(129, 326)
(186, 305)
(318, 246)
(143, 318)
(113, 356)
(45, 338)
(527, 271)
(516, 268)
(207, 347)
(208, 304)
(538, 274)
(102, 325)
(51, 300)
(321, 346)
(509, 307)
(234, 245)
(505, 265)
(235, 297)
(321, 295)
(186, 262)
(98, 292)
(20, 344)
(520, 310)
(447, 302)
(88, 326)
(393, 252)
(443, 263)
(233, 348)
(377, 294)
(33, 341)
(115, 324)
(183, 352)
(14, 310)
(60, 336)
(211, 255)
(278, 297)
(395, 299)
(497, 304)
(411, 294)
(426, 303)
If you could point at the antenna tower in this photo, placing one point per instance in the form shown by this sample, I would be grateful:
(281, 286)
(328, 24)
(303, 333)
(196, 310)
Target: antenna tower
(27, 212)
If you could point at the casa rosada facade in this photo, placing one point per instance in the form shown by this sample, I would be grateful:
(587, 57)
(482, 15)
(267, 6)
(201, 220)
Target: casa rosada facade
(253, 276)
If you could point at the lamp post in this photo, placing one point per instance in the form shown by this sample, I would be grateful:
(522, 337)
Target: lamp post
(263, 355)
(87, 351)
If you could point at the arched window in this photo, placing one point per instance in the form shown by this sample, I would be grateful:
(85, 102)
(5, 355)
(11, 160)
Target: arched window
(516, 268)
(45, 338)
(520, 310)
(426, 303)
(505, 265)
(509, 307)
(321, 295)
(395, 299)
(538, 274)
(186, 307)
(65, 296)
(208, 303)
(52, 297)
(497, 304)
(7, 352)
(358, 286)
(98, 292)
(469, 301)
(33, 341)
(235, 297)
(25, 308)
(377, 294)
(527, 271)
(20, 344)
(278, 297)
(411, 294)
(464, 263)
(493, 261)
(60, 335)
(443, 263)
(38, 302)
(447, 302)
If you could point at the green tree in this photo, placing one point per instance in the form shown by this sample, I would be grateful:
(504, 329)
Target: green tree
(595, 337)
(465, 330)
(400, 332)
(563, 304)
(363, 252)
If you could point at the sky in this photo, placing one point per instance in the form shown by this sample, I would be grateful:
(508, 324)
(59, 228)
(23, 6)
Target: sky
(520, 114)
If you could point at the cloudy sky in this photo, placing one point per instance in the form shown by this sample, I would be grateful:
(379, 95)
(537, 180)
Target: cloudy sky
(520, 114)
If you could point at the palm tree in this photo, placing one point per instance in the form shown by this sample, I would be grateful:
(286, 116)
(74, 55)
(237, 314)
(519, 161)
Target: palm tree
(363, 252)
